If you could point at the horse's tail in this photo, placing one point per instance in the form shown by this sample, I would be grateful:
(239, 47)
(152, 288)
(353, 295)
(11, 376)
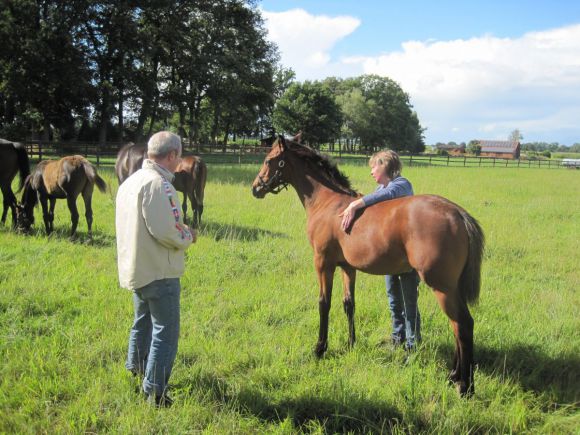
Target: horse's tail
(200, 176)
(23, 164)
(470, 280)
(91, 173)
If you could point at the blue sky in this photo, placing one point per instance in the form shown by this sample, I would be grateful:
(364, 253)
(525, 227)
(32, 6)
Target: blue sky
(473, 70)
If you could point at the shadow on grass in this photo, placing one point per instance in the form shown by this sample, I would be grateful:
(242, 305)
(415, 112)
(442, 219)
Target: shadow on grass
(530, 367)
(99, 238)
(219, 232)
(349, 413)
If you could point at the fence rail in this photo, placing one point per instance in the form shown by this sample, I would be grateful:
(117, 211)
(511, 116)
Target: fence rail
(234, 153)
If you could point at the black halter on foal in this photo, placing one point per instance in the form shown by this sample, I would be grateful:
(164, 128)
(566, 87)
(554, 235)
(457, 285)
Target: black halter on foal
(275, 184)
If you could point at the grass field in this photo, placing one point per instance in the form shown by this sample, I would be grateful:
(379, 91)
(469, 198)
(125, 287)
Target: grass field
(250, 321)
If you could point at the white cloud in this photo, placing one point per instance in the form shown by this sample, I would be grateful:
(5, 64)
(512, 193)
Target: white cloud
(305, 40)
(490, 86)
(462, 89)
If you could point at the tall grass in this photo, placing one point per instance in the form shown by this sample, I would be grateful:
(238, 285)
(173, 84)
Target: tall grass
(250, 321)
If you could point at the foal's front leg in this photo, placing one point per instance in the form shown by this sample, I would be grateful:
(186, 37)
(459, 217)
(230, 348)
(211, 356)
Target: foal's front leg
(45, 213)
(348, 283)
(325, 278)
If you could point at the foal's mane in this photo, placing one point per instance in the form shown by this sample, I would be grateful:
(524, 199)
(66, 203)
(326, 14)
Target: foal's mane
(326, 167)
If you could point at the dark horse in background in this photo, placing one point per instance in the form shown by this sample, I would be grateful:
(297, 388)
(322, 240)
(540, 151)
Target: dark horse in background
(66, 178)
(190, 176)
(13, 160)
(428, 233)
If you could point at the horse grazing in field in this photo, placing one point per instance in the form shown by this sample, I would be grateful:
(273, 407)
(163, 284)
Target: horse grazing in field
(13, 160)
(190, 176)
(428, 233)
(53, 179)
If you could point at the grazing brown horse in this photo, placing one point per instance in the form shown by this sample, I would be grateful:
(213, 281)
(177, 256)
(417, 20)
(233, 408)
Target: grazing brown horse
(427, 233)
(13, 160)
(52, 179)
(190, 176)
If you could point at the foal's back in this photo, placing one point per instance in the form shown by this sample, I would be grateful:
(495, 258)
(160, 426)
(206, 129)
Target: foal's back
(418, 232)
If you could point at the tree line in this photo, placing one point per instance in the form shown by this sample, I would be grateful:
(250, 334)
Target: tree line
(86, 70)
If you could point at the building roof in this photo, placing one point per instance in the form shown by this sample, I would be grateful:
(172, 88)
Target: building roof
(445, 146)
(498, 146)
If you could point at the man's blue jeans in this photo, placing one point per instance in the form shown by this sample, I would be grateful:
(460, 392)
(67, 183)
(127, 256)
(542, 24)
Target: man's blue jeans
(155, 333)
(402, 291)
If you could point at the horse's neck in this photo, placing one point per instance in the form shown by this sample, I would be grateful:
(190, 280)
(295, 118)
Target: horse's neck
(313, 190)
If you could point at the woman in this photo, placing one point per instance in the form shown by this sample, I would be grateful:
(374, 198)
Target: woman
(402, 290)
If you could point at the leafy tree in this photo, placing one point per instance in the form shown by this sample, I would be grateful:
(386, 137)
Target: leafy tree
(310, 108)
(515, 136)
(378, 112)
(474, 147)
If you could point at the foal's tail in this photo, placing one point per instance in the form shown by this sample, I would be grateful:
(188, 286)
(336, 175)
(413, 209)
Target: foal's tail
(470, 280)
(23, 164)
(93, 177)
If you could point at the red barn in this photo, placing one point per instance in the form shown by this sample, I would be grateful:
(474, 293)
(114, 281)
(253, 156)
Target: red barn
(505, 149)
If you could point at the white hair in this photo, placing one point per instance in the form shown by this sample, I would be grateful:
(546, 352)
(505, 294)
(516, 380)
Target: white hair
(162, 143)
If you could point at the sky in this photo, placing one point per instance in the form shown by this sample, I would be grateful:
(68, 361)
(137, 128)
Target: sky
(472, 69)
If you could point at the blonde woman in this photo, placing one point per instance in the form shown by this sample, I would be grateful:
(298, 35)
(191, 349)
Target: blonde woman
(402, 289)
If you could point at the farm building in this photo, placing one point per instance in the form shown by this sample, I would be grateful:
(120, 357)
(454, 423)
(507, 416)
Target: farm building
(504, 149)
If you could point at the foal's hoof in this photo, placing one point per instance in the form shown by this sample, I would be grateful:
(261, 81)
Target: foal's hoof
(464, 390)
(319, 349)
(453, 377)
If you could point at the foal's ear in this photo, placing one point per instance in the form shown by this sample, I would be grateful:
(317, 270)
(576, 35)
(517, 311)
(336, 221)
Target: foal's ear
(298, 137)
(282, 142)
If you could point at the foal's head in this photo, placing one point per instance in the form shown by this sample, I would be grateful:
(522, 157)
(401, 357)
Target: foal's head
(273, 175)
(25, 210)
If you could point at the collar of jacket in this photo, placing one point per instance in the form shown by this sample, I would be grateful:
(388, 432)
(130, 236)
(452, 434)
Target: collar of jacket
(150, 164)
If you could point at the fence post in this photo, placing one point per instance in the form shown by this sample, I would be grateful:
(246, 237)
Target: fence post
(411, 161)
(39, 151)
(98, 153)
(494, 162)
(448, 160)
(518, 162)
(480, 161)
(464, 160)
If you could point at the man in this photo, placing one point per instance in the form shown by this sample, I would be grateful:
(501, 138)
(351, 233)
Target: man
(151, 242)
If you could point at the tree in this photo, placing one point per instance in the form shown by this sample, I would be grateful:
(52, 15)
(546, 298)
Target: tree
(515, 136)
(378, 112)
(474, 147)
(310, 108)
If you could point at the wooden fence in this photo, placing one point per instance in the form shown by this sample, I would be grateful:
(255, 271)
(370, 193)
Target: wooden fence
(234, 153)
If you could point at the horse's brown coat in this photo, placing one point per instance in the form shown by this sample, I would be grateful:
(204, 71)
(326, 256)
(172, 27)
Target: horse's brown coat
(427, 233)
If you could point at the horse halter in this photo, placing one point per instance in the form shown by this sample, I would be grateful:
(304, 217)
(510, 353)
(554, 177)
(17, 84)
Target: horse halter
(274, 184)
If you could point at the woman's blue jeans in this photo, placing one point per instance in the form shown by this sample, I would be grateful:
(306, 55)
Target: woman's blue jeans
(155, 333)
(402, 291)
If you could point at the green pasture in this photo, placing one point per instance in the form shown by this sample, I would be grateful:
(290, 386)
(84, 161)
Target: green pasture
(250, 321)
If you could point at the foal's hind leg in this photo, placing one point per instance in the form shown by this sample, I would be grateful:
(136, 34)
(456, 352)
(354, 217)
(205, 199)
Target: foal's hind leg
(462, 324)
(348, 285)
(9, 202)
(184, 207)
(87, 198)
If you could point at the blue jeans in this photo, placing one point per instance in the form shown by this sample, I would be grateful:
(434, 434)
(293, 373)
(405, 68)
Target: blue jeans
(402, 291)
(154, 334)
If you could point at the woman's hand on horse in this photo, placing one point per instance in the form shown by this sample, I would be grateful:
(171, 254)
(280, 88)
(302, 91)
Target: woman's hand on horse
(348, 213)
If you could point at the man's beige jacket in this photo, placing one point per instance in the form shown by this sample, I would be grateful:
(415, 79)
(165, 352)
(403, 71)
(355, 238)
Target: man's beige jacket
(151, 238)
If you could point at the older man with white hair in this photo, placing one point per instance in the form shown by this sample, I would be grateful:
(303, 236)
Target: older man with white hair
(151, 244)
